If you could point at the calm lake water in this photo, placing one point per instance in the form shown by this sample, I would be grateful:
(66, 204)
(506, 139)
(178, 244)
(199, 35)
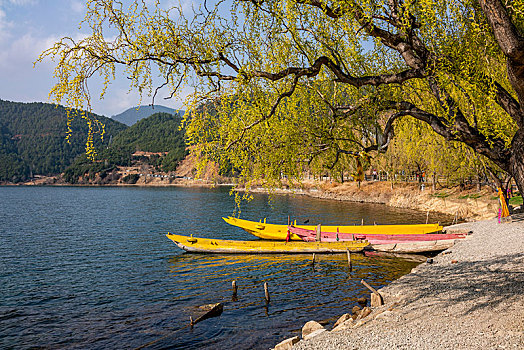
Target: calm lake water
(92, 268)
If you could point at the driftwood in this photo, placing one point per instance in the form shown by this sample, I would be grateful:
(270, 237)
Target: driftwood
(210, 310)
(376, 298)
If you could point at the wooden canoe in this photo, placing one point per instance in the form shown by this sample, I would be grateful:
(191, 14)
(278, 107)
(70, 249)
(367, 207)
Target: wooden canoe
(206, 245)
(279, 232)
(311, 236)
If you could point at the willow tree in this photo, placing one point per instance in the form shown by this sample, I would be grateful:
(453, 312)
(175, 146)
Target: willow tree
(315, 80)
(417, 147)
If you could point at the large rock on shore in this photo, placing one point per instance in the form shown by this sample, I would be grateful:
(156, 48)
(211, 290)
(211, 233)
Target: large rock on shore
(344, 325)
(287, 344)
(311, 327)
(342, 319)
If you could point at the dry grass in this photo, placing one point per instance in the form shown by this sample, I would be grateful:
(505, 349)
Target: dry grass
(466, 205)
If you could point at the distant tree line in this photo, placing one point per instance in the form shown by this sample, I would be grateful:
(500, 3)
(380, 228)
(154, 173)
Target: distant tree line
(33, 141)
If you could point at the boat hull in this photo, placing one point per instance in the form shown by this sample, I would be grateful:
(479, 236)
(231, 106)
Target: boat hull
(206, 245)
(279, 232)
(310, 236)
(414, 247)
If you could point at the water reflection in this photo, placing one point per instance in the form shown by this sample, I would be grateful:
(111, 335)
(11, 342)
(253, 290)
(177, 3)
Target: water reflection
(299, 290)
(92, 268)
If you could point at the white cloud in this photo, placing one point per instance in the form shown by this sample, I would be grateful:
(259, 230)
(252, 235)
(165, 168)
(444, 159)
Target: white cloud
(21, 52)
(4, 26)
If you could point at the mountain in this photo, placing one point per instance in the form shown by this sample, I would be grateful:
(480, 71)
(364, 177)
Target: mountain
(134, 114)
(33, 139)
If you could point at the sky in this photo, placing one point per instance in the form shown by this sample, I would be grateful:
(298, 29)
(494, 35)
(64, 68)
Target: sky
(27, 28)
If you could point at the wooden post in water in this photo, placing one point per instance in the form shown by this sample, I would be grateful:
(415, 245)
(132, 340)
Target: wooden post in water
(313, 262)
(362, 221)
(318, 238)
(266, 292)
(349, 259)
(234, 285)
(427, 217)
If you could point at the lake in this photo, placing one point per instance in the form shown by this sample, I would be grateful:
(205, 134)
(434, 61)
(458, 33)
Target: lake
(91, 267)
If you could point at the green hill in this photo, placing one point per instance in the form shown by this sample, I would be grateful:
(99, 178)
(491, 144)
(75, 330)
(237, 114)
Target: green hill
(159, 133)
(33, 139)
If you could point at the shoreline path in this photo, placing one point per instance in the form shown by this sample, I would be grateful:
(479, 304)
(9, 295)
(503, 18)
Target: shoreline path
(470, 297)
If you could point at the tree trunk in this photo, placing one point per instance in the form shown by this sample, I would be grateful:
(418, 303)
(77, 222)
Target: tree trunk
(479, 182)
(516, 166)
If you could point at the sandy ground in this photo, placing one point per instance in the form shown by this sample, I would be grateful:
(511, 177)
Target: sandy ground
(470, 297)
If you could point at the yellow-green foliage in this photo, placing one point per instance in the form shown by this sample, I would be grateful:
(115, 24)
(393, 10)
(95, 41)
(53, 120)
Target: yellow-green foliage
(265, 125)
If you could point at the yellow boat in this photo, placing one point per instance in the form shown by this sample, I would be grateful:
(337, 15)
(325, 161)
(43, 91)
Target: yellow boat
(206, 245)
(279, 232)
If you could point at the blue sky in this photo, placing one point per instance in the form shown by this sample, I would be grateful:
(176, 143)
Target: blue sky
(27, 27)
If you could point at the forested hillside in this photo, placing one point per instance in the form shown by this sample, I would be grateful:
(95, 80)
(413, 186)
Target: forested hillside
(159, 133)
(33, 139)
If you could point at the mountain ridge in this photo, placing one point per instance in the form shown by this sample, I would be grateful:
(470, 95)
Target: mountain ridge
(132, 115)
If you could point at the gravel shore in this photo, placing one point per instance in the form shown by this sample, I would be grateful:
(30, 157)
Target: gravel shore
(471, 296)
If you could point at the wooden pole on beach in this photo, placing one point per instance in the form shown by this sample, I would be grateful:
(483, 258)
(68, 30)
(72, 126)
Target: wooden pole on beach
(376, 298)
(266, 292)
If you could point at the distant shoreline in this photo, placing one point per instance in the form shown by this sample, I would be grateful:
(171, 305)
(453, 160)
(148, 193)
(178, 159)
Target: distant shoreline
(463, 205)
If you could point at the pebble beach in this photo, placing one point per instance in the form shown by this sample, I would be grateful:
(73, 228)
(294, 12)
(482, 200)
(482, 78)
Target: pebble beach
(467, 297)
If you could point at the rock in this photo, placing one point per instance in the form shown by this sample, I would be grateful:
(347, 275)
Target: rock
(344, 325)
(365, 312)
(324, 322)
(362, 301)
(429, 261)
(310, 327)
(454, 261)
(314, 333)
(287, 344)
(376, 300)
(342, 319)
(355, 310)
